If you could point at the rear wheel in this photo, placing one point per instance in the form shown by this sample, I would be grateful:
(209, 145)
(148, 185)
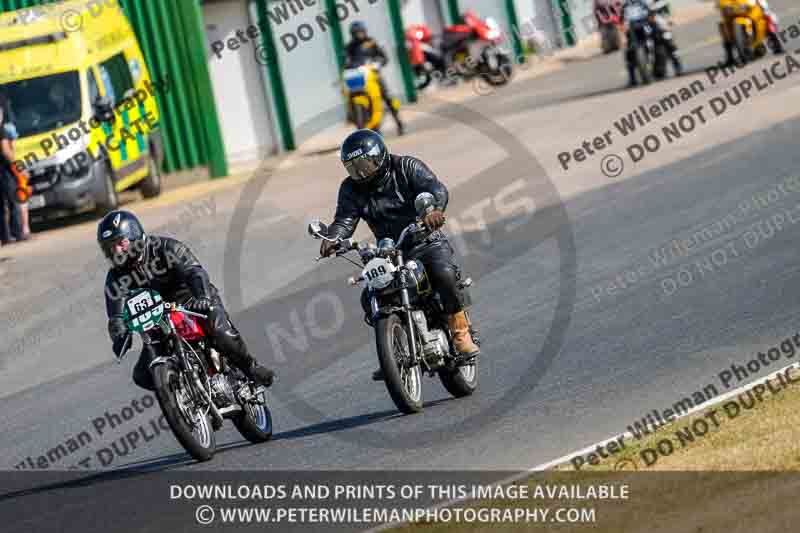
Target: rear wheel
(107, 199)
(460, 381)
(360, 116)
(151, 185)
(423, 77)
(255, 421)
(404, 382)
(189, 425)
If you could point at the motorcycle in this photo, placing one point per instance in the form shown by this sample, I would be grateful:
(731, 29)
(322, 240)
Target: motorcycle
(195, 386)
(609, 21)
(747, 28)
(362, 92)
(425, 60)
(648, 55)
(412, 336)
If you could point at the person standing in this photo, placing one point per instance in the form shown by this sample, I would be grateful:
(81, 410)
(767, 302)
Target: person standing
(12, 228)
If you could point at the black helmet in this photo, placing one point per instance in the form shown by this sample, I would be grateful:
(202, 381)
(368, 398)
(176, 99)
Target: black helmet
(365, 157)
(115, 227)
(356, 27)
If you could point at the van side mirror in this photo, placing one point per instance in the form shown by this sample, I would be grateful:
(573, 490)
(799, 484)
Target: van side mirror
(103, 109)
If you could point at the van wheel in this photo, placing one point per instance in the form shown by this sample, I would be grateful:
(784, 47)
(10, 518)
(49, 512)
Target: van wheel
(151, 185)
(107, 200)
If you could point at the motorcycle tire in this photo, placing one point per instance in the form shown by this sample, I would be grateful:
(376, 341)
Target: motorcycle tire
(404, 386)
(360, 116)
(423, 78)
(742, 45)
(642, 66)
(460, 381)
(254, 422)
(166, 377)
(502, 74)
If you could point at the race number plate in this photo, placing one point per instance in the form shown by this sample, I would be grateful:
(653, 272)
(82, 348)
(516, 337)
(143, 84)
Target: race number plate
(379, 273)
(143, 310)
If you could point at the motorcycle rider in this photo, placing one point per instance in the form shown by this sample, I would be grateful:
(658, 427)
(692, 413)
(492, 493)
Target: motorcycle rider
(659, 12)
(139, 260)
(381, 188)
(363, 49)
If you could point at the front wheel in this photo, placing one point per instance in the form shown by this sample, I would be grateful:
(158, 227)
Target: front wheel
(360, 116)
(151, 185)
(403, 381)
(189, 424)
(255, 421)
(742, 44)
(500, 70)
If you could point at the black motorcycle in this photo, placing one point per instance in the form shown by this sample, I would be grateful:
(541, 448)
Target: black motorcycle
(647, 53)
(412, 336)
(196, 388)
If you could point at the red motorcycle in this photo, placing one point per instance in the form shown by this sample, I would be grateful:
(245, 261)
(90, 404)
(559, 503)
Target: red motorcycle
(464, 50)
(609, 22)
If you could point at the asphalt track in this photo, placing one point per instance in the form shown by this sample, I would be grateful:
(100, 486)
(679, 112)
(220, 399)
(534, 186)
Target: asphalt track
(571, 356)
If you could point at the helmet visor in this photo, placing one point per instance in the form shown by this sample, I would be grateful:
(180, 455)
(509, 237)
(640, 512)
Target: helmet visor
(113, 247)
(366, 166)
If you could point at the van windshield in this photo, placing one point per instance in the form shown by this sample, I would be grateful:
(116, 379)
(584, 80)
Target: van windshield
(38, 105)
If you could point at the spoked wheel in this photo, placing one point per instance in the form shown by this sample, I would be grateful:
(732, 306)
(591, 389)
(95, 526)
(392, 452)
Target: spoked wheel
(255, 421)
(403, 380)
(188, 421)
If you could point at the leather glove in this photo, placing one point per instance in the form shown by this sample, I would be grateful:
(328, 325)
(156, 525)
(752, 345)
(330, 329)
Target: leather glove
(122, 344)
(434, 220)
(327, 248)
(202, 304)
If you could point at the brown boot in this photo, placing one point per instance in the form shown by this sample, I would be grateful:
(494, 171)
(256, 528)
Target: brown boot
(459, 327)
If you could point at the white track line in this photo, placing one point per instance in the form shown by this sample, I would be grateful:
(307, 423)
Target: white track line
(592, 447)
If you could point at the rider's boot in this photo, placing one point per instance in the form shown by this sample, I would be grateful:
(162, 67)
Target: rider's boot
(462, 340)
(232, 345)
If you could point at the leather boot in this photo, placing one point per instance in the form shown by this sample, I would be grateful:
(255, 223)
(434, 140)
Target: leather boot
(231, 344)
(462, 340)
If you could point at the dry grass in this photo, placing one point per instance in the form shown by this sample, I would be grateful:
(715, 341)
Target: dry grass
(739, 477)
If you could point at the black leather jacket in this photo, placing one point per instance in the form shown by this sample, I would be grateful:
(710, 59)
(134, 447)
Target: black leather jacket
(168, 267)
(359, 52)
(387, 209)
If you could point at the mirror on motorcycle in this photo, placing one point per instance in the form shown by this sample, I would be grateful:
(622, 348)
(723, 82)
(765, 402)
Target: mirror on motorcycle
(424, 203)
(317, 228)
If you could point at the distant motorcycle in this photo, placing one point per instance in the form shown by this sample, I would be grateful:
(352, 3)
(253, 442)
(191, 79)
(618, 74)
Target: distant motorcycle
(608, 14)
(363, 95)
(195, 386)
(471, 49)
(411, 331)
(649, 56)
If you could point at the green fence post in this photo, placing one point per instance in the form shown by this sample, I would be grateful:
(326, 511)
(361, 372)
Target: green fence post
(336, 33)
(566, 22)
(455, 12)
(275, 78)
(519, 51)
(396, 17)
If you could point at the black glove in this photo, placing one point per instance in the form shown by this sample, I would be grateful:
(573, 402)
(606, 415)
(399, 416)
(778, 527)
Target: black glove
(203, 304)
(122, 344)
(434, 220)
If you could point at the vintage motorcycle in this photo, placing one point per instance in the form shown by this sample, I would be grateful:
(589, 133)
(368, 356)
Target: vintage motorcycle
(363, 95)
(196, 388)
(412, 336)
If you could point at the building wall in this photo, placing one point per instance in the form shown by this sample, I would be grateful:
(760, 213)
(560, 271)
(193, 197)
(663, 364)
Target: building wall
(242, 102)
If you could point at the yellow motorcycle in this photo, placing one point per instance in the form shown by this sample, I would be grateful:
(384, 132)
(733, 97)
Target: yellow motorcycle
(362, 92)
(746, 30)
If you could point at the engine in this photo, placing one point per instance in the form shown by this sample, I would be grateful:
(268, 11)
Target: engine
(221, 390)
(434, 342)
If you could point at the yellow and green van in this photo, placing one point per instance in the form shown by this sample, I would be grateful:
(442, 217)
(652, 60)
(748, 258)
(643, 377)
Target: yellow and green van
(79, 93)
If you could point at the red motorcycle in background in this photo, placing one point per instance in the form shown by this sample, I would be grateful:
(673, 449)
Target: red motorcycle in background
(609, 23)
(463, 50)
